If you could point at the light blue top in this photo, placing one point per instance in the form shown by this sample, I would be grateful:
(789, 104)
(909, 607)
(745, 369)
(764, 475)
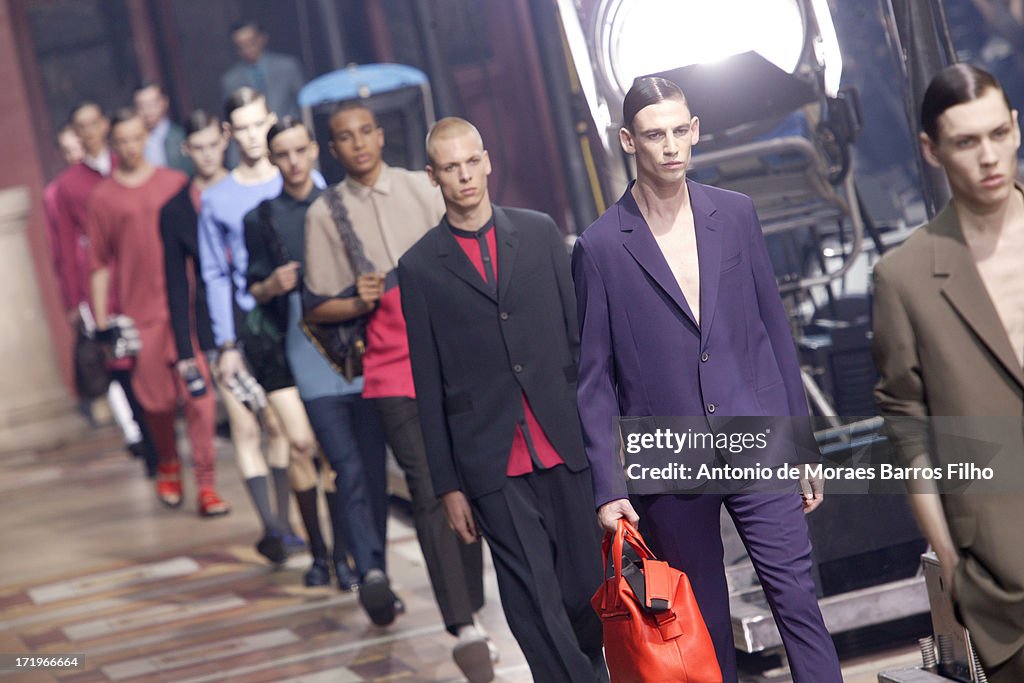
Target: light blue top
(313, 375)
(221, 233)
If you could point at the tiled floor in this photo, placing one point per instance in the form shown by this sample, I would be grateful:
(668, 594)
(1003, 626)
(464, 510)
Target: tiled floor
(91, 564)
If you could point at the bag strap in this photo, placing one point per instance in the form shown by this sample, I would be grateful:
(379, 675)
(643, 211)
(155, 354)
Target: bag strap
(353, 245)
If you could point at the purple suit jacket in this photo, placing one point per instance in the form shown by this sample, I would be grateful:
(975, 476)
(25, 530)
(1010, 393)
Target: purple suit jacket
(642, 353)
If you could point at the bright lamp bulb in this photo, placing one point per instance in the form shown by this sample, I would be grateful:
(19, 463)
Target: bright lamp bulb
(639, 37)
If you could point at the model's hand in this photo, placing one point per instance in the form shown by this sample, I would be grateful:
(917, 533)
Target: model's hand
(283, 280)
(184, 365)
(460, 516)
(949, 559)
(610, 513)
(370, 287)
(229, 364)
(812, 490)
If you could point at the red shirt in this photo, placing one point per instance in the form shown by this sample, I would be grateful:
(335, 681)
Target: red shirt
(124, 235)
(387, 370)
(519, 461)
(65, 207)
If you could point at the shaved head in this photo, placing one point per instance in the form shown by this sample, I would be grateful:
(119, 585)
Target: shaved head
(447, 129)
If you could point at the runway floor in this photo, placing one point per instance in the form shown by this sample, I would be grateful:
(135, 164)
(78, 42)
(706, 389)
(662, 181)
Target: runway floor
(92, 565)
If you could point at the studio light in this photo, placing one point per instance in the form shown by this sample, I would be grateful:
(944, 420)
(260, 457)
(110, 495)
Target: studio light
(638, 37)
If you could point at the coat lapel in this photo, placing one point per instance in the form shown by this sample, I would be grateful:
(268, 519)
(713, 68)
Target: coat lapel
(507, 242)
(455, 260)
(640, 243)
(709, 255)
(966, 292)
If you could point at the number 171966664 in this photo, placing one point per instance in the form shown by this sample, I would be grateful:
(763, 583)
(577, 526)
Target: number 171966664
(16, 662)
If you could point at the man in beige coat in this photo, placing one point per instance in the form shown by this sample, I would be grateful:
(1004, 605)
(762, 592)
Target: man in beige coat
(949, 345)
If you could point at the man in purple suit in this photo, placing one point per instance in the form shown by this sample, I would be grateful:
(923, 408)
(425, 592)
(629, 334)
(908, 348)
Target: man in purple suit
(680, 315)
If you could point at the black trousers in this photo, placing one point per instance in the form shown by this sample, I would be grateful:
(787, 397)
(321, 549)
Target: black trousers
(546, 544)
(455, 569)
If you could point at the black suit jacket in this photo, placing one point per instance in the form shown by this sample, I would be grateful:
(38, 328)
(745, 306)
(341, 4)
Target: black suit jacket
(474, 354)
(179, 229)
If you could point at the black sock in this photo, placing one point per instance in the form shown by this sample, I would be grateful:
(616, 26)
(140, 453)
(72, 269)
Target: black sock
(311, 520)
(340, 552)
(261, 500)
(282, 495)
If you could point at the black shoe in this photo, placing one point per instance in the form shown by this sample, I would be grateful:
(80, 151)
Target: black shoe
(293, 543)
(272, 548)
(348, 580)
(399, 606)
(319, 573)
(376, 597)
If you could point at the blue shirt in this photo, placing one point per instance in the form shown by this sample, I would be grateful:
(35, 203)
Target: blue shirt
(222, 254)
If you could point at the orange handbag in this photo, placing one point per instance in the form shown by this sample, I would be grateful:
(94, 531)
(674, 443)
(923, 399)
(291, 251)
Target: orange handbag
(653, 629)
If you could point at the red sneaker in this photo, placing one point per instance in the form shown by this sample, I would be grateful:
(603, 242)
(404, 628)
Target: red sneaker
(211, 504)
(168, 485)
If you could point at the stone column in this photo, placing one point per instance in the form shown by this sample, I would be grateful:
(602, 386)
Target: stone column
(35, 410)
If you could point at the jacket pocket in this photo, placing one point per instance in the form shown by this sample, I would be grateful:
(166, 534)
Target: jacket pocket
(732, 261)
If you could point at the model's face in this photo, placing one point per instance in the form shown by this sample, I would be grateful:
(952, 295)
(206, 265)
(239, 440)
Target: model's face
(151, 104)
(249, 43)
(977, 147)
(128, 139)
(357, 141)
(249, 126)
(460, 168)
(661, 139)
(70, 145)
(91, 127)
(294, 154)
(206, 150)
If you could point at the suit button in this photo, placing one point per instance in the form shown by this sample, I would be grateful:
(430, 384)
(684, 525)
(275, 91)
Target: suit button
(504, 315)
(711, 407)
(704, 357)
(517, 367)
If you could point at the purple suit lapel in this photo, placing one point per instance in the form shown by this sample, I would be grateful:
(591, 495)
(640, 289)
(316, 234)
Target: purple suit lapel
(709, 255)
(640, 243)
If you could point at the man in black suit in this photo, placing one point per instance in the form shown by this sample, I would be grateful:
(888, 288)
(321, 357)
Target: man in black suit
(491, 315)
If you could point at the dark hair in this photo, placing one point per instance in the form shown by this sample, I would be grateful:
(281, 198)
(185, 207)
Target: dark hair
(121, 115)
(199, 120)
(82, 105)
(955, 85)
(286, 123)
(240, 98)
(350, 105)
(645, 91)
(245, 23)
(145, 85)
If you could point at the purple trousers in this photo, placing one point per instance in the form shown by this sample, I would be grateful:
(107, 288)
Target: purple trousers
(685, 531)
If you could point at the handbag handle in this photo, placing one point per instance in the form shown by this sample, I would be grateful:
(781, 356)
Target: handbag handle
(625, 534)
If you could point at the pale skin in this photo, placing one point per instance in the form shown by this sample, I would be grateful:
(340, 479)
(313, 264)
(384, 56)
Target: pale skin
(459, 167)
(661, 138)
(977, 148)
(356, 142)
(248, 128)
(128, 140)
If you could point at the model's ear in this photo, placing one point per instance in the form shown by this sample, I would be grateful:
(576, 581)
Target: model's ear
(694, 130)
(626, 140)
(430, 174)
(928, 149)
